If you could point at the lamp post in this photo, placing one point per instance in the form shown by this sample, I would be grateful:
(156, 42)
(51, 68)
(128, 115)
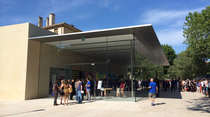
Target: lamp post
(93, 64)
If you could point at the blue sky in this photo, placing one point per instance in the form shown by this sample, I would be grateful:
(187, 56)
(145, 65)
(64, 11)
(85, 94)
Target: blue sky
(166, 16)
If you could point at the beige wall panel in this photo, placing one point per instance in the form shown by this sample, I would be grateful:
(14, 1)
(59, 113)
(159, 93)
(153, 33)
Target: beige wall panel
(60, 29)
(67, 30)
(32, 77)
(13, 59)
(49, 57)
(35, 31)
(51, 30)
(32, 70)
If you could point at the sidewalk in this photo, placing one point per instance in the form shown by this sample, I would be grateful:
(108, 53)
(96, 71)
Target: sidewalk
(188, 104)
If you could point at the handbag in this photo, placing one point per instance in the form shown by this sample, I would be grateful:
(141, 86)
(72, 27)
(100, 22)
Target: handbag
(82, 92)
(70, 90)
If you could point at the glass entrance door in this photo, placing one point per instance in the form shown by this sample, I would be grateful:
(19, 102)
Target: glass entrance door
(82, 71)
(57, 74)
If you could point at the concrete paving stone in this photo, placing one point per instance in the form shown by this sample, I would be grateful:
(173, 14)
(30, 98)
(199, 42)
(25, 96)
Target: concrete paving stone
(155, 114)
(189, 105)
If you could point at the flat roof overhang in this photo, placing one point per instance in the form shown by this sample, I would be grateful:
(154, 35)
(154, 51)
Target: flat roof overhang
(119, 39)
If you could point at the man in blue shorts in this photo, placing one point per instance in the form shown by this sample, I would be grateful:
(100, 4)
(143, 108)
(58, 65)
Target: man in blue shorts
(153, 90)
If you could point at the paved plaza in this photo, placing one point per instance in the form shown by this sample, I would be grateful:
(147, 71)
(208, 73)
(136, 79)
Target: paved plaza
(170, 104)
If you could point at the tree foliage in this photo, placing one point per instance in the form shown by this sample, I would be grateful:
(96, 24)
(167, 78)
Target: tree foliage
(189, 63)
(169, 52)
(197, 34)
(170, 55)
(185, 67)
(145, 69)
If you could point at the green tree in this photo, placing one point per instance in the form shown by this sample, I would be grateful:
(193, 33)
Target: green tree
(145, 69)
(173, 72)
(169, 52)
(183, 67)
(170, 55)
(197, 34)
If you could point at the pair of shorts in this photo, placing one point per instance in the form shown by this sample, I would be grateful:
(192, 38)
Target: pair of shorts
(152, 95)
(118, 90)
(102, 89)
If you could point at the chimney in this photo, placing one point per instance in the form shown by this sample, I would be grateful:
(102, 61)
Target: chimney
(40, 22)
(47, 21)
(51, 19)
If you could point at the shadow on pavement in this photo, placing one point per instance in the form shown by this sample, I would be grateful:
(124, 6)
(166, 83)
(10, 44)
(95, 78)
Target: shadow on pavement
(83, 102)
(163, 94)
(201, 104)
(159, 103)
(168, 94)
(24, 112)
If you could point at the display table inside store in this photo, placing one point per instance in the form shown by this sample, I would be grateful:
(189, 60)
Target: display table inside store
(106, 89)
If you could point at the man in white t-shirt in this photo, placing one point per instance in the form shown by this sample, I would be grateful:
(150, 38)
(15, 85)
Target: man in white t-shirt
(139, 83)
(183, 85)
(202, 91)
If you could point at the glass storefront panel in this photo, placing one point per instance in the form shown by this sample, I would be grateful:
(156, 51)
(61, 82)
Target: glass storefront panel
(117, 86)
(115, 65)
(144, 69)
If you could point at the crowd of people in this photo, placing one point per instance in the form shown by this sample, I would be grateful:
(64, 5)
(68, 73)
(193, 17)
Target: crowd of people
(201, 86)
(67, 89)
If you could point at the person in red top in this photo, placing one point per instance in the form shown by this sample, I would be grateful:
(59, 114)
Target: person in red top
(122, 87)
